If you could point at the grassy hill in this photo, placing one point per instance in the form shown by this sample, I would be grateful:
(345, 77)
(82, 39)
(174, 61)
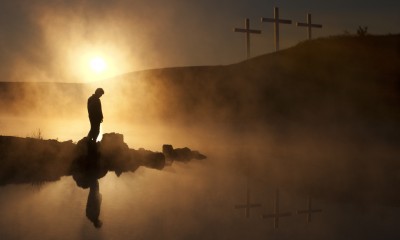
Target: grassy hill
(343, 81)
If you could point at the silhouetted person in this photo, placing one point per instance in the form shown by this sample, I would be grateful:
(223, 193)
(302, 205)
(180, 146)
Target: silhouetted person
(95, 114)
(93, 204)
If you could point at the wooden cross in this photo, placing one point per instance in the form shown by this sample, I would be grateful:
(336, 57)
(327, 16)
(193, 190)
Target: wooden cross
(248, 205)
(309, 25)
(276, 22)
(248, 31)
(309, 211)
(276, 215)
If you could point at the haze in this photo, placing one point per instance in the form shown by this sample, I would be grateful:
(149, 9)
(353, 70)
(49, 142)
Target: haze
(319, 118)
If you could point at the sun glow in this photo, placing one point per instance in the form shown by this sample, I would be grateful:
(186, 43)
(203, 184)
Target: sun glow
(95, 63)
(98, 65)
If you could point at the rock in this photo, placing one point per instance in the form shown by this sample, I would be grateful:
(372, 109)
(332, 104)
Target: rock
(30, 160)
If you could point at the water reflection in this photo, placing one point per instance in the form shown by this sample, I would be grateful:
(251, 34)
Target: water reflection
(86, 174)
(36, 161)
(93, 204)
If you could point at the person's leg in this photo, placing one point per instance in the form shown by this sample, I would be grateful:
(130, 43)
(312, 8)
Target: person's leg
(91, 131)
(96, 130)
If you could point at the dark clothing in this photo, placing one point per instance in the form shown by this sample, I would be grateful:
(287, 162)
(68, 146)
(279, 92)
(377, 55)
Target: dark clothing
(94, 108)
(94, 130)
(95, 116)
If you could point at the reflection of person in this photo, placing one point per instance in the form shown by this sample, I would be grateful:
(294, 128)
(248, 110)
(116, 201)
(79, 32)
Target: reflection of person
(93, 204)
(86, 172)
(95, 114)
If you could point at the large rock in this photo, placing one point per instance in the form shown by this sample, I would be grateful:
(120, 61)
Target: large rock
(29, 160)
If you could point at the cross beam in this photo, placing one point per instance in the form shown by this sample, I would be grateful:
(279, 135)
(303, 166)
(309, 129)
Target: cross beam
(248, 31)
(276, 215)
(276, 20)
(248, 204)
(309, 211)
(309, 25)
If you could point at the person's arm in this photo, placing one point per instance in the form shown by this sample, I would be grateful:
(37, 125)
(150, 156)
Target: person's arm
(101, 112)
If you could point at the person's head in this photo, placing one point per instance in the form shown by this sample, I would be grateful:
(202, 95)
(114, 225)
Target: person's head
(99, 92)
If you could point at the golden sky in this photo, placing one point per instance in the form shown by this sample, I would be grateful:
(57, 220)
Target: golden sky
(54, 40)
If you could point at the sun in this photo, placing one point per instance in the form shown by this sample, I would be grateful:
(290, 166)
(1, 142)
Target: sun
(94, 63)
(98, 64)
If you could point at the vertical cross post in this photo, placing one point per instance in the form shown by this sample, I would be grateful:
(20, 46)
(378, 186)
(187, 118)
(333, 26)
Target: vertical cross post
(309, 25)
(248, 204)
(276, 215)
(309, 211)
(248, 31)
(276, 20)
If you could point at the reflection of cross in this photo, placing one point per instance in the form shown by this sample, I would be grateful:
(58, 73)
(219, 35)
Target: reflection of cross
(276, 215)
(248, 31)
(309, 211)
(248, 205)
(309, 25)
(276, 22)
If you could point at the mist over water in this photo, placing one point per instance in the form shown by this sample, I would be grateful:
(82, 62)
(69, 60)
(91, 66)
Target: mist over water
(183, 201)
(194, 200)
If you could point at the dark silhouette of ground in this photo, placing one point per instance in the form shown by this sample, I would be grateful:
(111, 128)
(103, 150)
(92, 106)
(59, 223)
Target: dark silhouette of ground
(29, 160)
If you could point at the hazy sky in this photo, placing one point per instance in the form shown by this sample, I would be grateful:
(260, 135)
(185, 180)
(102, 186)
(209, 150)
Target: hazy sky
(54, 40)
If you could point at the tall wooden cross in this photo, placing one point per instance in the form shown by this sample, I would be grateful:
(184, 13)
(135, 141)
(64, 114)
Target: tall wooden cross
(248, 31)
(309, 211)
(276, 20)
(276, 215)
(309, 25)
(248, 204)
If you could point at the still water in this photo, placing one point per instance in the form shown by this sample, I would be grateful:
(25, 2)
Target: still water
(183, 201)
